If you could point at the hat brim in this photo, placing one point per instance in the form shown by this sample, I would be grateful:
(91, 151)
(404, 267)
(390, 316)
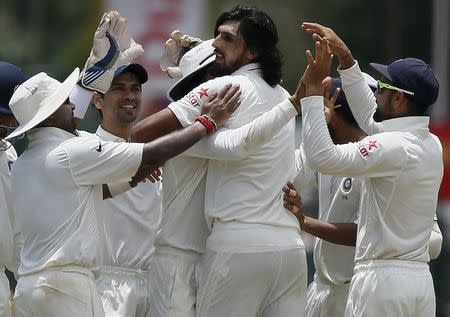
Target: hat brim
(382, 69)
(49, 105)
(136, 69)
(5, 110)
(184, 85)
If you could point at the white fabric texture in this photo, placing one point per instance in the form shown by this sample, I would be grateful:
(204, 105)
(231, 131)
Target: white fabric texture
(268, 284)
(395, 218)
(55, 183)
(5, 310)
(225, 179)
(391, 288)
(124, 292)
(324, 300)
(11, 239)
(174, 288)
(339, 201)
(68, 291)
(128, 222)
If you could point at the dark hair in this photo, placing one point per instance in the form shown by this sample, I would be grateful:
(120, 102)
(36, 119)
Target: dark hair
(261, 36)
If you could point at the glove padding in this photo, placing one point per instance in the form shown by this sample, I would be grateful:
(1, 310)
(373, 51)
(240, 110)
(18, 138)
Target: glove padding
(174, 49)
(112, 48)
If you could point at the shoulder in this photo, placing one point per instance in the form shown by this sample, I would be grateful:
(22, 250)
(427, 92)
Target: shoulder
(382, 144)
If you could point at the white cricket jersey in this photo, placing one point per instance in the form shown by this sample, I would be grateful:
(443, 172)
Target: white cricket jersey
(183, 224)
(11, 239)
(246, 190)
(339, 199)
(185, 175)
(128, 222)
(55, 183)
(402, 169)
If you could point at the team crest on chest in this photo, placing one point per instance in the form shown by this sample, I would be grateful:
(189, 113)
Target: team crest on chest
(346, 185)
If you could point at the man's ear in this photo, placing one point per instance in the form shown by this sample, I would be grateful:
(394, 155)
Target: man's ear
(251, 55)
(399, 102)
(97, 100)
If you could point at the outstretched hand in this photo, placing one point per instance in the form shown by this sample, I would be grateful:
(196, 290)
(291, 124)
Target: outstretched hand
(335, 43)
(112, 48)
(318, 69)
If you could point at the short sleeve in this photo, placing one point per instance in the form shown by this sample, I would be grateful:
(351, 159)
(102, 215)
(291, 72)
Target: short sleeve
(93, 161)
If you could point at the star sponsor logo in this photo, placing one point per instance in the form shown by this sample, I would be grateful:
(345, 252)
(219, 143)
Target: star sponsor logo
(367, 147)
(203, 92)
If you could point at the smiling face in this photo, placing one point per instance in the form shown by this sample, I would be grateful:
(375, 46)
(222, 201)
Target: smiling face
(230, 48)
(122, 102)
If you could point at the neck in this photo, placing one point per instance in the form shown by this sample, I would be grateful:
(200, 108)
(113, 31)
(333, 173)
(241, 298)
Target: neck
(348, 133)
(120, 130)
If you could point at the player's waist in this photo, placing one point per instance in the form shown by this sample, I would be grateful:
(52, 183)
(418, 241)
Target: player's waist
(122, 271)
(181, 254)
(400, 265)
(69, 269)
(248, 237)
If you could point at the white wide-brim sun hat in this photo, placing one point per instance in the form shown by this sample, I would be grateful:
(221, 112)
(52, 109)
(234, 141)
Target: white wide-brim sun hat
(192, 62)
(38, 98)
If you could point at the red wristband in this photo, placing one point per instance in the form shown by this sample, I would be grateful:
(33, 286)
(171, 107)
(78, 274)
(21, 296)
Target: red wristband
(208, 123)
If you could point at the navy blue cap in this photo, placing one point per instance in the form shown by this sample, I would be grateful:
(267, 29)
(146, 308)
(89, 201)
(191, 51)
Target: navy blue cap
(136, 69)
(341, 99)
(10, 77)
(413, 75)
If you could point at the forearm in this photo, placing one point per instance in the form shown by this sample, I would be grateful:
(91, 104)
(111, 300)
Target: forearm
(155, 126)
(237, 144)
(160, 150)
(337, 233)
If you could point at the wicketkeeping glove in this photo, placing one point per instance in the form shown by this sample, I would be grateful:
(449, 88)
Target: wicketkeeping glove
(174, 48)
(112, 48)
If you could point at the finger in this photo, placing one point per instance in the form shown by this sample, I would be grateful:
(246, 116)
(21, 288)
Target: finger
(289, 206)
(213, 97)
(151, 179)
(233, 92)
(224, 90)
(309, 58)
(230, 93)
(233, 102)
(318, 51)
(316, 37)
(335, 96)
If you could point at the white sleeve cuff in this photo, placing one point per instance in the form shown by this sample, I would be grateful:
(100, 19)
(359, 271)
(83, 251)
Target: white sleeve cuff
(81, 98)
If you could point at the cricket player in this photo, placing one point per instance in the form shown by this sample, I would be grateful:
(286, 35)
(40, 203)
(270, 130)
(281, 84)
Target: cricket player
(126, 238)
(182, 236)
(400, 162)
(339, 201)
(11, 239)
(60, 177)
(255, 261)
(339, 198)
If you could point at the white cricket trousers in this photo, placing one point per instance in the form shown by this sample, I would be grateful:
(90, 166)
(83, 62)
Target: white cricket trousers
(124, 292)
(325, 300)
(68, 291)
(5, 310)
(391, 288)
(248, 284)
(174, 288)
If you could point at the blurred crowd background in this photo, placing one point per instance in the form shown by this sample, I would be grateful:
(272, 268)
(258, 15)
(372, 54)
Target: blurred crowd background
(56, 35)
